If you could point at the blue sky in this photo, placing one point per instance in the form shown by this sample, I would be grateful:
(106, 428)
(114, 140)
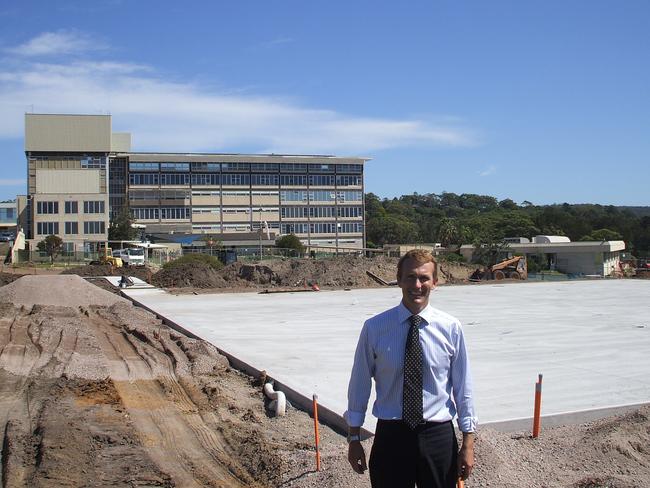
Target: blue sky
(541, 101)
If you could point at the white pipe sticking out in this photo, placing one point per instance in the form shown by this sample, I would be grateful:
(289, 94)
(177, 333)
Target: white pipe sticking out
(278, 400)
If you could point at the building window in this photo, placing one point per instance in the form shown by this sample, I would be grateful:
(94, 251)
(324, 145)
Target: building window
(293, 196)
(72, 207)
(348, 196)
(321, 180)
(293, 180)
(235, 179)
(47, 208)
(98, 227)
(175, 167)
(350, 212)
(93, 206)
(321, 168)
(294, 228)
(293, 212)
(322, 196)
(235, 166)
(72, 227)
(293, 167)
(264, 179)
(47, 228)
(174, 213)
(205, 179)
(145, 213)
(344, 180)
(349, 168)
(198, 167)
(143, 179)
(264, 166)
(174, 179)
(143, 166)
(89, 162)
(322, 212)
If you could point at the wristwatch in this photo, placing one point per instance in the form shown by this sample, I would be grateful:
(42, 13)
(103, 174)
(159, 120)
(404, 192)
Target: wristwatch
(353, 438)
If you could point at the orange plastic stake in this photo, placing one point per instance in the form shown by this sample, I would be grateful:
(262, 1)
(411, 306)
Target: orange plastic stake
(538, 407)
(316, 432)
(460, 484)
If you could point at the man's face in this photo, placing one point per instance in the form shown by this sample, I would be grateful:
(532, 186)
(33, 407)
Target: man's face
(416, 282)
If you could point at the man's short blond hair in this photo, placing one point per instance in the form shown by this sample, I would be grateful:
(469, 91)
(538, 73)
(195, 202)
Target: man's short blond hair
(420, 256)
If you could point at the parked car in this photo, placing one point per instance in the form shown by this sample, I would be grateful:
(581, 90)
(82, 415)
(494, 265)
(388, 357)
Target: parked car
(7, 236)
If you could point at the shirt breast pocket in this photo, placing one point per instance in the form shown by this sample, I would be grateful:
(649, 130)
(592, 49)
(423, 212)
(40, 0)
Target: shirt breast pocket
(388, 357)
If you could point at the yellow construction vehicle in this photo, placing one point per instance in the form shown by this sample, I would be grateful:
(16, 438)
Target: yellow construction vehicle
(515, 268)
(105, 256)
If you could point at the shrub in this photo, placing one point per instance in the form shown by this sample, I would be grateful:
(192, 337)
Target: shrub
(290, 241)
(211, 261)
(451, 257)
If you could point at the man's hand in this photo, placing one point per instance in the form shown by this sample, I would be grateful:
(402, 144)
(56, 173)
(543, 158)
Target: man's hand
(357, 457)
(466, 456)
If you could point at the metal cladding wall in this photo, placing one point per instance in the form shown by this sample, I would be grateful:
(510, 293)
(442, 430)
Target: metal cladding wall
(68, 133)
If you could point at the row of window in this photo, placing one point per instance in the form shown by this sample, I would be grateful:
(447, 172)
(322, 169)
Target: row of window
(165, 213)
(320, 212)
(320, 196)
(242, 179)
(71, 207)
(321, 228)
(47, 228)
(245, 167)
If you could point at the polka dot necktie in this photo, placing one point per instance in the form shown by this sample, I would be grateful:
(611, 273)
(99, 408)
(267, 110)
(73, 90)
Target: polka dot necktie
(412, 399)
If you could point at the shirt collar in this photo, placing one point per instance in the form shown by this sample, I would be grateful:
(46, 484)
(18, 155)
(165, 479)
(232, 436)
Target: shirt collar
(404, 313)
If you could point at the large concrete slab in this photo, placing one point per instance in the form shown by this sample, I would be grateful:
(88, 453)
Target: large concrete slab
(590, 339)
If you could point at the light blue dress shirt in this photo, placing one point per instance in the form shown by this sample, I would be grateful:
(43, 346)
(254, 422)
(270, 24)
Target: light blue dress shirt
(380, 356)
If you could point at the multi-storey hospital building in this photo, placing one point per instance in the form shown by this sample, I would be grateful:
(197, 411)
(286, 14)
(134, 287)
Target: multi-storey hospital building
(80, 173)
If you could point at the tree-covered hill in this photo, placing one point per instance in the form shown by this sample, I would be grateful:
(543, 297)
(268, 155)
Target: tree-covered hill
(449, 218)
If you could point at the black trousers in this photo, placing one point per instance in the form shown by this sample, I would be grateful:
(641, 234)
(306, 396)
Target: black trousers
(425, 457)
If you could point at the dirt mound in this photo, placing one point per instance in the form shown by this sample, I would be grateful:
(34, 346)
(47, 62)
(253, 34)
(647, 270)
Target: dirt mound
(108, 396)
(144, 273)
(60, 290)
(6, 278)
(337, 272)
(196, 275)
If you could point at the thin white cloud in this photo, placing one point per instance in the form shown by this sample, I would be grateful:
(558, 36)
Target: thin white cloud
(12, 182)
(164, 115)
(490, 170)
(54, 43)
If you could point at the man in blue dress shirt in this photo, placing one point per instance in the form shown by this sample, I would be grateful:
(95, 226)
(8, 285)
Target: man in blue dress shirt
(417, 357)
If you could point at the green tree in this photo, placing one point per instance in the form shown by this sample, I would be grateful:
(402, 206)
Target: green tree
(392, 229)
(290, 241)
(120, 228)
(448, 232)
(602, 235)
(52, 246)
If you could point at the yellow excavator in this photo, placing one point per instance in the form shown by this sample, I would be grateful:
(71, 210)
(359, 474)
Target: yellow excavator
(514, 268)
(105, 256)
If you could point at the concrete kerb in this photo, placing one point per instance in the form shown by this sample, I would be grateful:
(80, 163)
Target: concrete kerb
(564, 418)
(325, 415)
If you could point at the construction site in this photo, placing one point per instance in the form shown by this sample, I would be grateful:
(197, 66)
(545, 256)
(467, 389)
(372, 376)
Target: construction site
(161, 383)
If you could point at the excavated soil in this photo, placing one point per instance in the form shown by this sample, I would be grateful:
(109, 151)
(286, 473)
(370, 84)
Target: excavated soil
(337, 272)
(97, 392)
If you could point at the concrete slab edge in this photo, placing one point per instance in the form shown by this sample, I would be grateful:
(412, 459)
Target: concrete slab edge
(326, 416)
(563, 418)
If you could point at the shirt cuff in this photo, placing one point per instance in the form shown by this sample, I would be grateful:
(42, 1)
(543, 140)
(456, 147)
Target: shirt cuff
(354, 419)
(467, 424)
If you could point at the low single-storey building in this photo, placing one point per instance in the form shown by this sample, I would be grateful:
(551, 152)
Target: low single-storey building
(600, 258)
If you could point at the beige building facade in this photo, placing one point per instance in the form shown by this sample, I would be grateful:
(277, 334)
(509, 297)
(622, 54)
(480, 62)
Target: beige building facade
(77, 158)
